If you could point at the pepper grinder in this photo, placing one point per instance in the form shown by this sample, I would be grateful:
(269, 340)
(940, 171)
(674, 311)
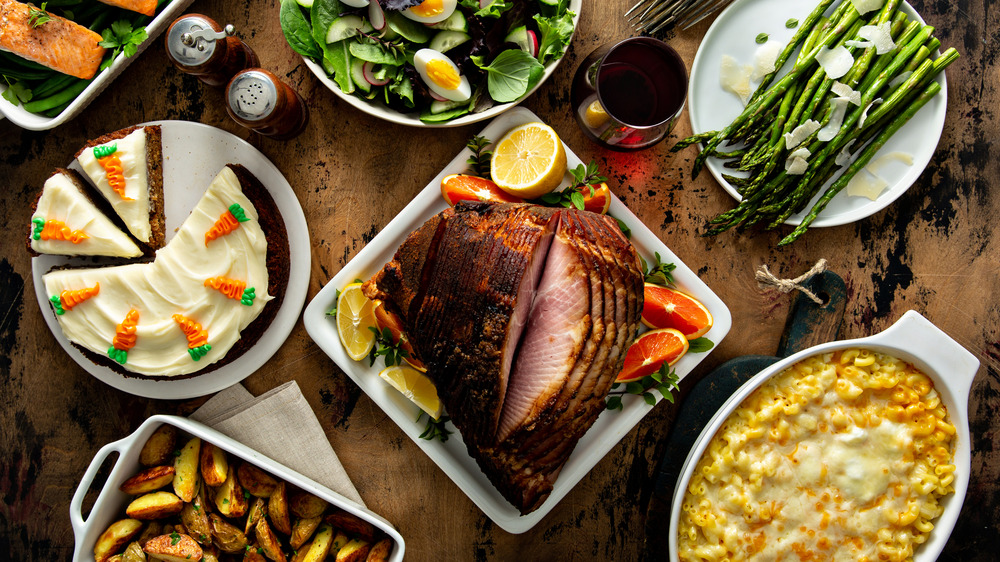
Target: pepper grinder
(197, 45)
(260, 101)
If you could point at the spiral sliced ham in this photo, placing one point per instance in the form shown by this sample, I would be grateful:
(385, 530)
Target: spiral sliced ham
(522, 315)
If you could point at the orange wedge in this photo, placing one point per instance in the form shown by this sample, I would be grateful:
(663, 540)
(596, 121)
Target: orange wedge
(600, 201)
(650, 352)
(385, 318)
(670, 308)
(462, 187)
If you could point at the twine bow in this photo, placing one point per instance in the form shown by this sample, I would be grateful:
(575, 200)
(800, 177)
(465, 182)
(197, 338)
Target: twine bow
(766, 279)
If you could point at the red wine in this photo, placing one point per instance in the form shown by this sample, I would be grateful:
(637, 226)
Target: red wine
(638, 85)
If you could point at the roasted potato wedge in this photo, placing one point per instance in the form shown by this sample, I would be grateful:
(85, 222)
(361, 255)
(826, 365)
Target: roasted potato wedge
(256, 481)
(306, 505)
(148, 480)
(152, 529)
(277, 509)
(115, 538)
(269, 541)
(254, 554)
(339, 540)
(257, 510)
(351, 524)
(214, 465)
(195, 519)
(229, 498)
(186, 470)
(133, 553)
(303, 529)
(380, 551)
(175, 547)
(155, 505)
(356, 550)
(225, 535)
(320, 546)
(160, 446)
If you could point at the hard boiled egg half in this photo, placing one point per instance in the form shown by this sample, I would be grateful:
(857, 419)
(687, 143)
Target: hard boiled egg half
(431, 11)
(442, 75)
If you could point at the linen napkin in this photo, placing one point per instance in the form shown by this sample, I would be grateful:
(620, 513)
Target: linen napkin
(279, 424)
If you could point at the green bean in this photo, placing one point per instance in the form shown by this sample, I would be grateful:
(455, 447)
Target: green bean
(57, 99)
(52, 85)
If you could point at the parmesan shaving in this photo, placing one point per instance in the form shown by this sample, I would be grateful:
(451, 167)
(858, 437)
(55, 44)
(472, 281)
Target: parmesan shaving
(765, 59)
(865, 6)
(844, 156)
(802, 152)
(864, 114)
(858, 44)
(796, 166)
(836, 61)
(879, 35)
(801, 133)
(735, 78)
(864, 184)
(876, 166)
(899, 79)
(845, 91)
(838, 107)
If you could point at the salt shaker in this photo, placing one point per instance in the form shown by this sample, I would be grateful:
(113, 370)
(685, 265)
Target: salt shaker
(260, 101)
(198, 46)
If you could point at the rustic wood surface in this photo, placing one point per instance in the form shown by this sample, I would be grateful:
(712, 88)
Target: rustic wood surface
(935, 250)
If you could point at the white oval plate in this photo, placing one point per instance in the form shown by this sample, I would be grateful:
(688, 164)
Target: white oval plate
(412, 119)
(712, 108)
(193, 154)
(452, 456)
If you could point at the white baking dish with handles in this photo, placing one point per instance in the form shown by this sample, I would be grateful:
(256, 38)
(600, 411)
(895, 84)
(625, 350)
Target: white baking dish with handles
(111, 502)
(913, 339)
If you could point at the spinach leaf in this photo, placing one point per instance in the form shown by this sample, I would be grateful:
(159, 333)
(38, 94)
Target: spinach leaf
(512, 74)
(297, 31)
(556, 33)
(374, 53)
(322, 14)
(337, 61)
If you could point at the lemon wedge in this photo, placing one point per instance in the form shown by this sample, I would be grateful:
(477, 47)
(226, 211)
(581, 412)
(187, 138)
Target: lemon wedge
(595, 116)
(529, 161)
(355, 313)
(414, 385)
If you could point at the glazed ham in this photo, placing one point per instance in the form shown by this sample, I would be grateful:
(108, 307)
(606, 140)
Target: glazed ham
(522, 315)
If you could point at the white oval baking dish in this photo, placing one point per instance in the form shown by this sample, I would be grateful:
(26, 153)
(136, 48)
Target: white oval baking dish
(912, 338)
(111, 502)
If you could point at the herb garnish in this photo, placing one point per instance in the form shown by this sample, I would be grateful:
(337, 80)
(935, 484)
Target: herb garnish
(175, 538)
(660, 273)
(761, 39)
(123, 39)
(665, 381)
(479, 162)
(38, 17)
(384, 347)
(17, 92)
(585, 177)
(435, 428)
(792, 23)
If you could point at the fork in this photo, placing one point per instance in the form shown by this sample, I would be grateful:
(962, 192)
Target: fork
(653, 16)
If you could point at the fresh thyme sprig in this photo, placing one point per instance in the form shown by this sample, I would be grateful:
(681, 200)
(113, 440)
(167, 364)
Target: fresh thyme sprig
(384, 347)
(38, 17)
(659, 273)
(435, 428)
(479, 162)
(664, 380)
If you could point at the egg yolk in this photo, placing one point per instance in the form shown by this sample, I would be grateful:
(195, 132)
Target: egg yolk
(443, 74)
(428, 8)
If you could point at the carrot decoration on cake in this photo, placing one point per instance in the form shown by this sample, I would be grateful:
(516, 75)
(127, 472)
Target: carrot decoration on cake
(197, 338)
(67, 299)
(232, 288)
(125, 337)
(108, 159)
(56, 230)
(227, 223)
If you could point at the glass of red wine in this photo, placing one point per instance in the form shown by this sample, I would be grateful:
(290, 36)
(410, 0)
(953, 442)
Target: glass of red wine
(628, 96)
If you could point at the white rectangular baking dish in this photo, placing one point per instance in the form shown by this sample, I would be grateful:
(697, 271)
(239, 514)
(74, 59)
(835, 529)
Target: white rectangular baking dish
(27, 120)
(913, 339)
(111, 502)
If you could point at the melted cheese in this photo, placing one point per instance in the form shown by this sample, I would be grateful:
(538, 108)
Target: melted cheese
(134, 210)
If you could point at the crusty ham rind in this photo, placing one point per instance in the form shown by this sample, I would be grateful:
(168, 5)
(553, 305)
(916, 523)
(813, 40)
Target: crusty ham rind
(59, 44)
(147, 7)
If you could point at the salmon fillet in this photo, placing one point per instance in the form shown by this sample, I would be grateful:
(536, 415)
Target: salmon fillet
(147, 7)
(59, 43)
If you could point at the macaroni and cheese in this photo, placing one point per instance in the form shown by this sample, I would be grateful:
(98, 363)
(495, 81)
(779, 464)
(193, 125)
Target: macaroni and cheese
(842, 456)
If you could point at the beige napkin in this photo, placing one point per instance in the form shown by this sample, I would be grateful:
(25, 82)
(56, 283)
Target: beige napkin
(281, 425)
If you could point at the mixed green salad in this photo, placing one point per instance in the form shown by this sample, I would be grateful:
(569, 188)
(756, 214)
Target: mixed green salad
(441, 59)
(48, 92)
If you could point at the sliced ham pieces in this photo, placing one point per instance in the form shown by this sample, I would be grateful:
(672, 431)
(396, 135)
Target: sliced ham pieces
(522, 315)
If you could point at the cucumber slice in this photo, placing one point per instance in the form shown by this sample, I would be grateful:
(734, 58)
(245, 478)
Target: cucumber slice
(455, 22)
(358, 75)
(445, 40)
(409, 29)
(305, 3)
(442, 106)
(346, 26)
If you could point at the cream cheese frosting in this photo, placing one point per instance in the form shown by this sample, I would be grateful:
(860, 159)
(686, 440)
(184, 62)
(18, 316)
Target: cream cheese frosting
(174, 283)
(62, 201)
(133, 208)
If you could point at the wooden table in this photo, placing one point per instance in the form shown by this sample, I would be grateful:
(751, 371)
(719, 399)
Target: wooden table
(935, 250)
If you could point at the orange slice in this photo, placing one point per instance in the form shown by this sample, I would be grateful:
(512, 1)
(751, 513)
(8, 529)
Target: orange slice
(670, 308)
(650, 352)
(600, 201)
(461, 187)
(385, 318)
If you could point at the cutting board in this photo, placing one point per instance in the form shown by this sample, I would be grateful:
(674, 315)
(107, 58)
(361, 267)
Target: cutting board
(808, 324)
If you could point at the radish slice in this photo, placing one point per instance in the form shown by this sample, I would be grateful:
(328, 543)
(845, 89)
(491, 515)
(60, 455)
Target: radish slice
(533, 39)
(368, 71)
(436, 96)
(376, 16)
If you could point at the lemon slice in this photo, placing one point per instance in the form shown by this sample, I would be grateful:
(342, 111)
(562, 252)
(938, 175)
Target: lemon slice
(355, 313)
(529, 161)
(414, 385)
(595, 116)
